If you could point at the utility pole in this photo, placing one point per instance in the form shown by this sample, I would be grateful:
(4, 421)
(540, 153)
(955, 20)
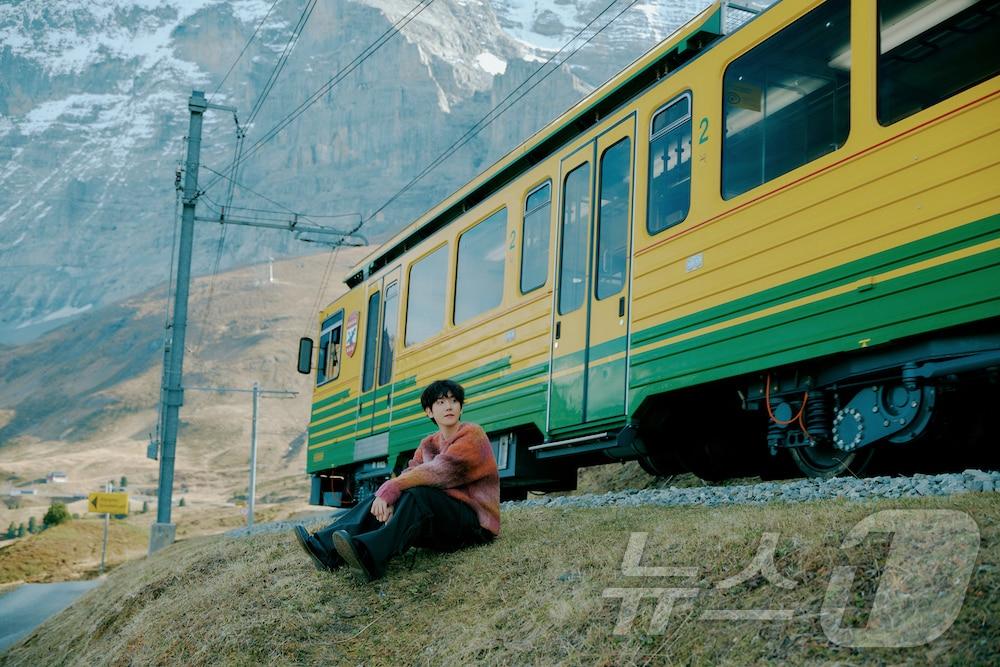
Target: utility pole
(252, 491)
(163, 531)
(257, 393)
(107, 522)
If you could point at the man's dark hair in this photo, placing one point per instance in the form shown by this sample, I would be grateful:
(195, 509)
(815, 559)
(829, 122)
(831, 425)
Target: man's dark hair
(441, 389)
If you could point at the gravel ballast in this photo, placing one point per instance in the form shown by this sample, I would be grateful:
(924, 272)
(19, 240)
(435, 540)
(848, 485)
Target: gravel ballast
(799, 490)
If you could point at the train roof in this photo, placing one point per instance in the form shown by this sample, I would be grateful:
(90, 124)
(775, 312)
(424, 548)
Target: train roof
(681, 46)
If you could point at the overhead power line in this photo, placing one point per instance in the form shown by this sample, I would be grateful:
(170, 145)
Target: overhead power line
(497, 111)
(365, 54)
(282, 59)
(245, 47)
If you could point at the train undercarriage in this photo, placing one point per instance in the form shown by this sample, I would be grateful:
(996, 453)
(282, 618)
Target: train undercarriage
(918, 405)
(930, 398)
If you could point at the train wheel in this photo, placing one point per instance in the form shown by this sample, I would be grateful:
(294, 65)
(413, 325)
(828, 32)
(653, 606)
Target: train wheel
(660, 464)
(823, 460)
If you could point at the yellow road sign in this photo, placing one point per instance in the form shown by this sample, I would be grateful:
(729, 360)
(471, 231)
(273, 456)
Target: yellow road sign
(110, 503)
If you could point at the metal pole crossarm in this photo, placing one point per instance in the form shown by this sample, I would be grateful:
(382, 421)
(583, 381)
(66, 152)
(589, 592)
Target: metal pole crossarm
(282, 392)
(292, 225)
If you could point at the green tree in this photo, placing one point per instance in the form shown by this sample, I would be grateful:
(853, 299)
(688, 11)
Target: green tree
(182, 503)
(11, 531)
(20, 529)
(124, 482)
(32, 525)
(145, 506)
(57, 514)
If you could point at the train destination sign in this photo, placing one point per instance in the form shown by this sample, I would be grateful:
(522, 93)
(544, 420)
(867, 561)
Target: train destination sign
(108, 503)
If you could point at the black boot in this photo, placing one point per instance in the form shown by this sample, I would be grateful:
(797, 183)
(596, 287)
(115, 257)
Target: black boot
(321, 557)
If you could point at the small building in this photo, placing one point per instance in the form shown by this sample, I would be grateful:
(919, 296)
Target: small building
(56, 477)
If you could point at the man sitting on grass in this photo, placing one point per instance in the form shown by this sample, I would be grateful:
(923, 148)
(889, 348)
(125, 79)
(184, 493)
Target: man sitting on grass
(447, 498)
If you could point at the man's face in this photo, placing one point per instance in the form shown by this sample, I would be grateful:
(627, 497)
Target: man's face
(445, 411)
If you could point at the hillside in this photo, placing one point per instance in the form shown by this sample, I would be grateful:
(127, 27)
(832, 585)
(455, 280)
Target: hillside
(83, 398)
(538, 595)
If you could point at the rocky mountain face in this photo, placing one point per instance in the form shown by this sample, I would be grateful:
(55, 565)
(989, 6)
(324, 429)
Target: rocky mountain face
(93, 115)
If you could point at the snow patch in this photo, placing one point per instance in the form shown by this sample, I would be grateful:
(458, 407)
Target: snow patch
(82, 105)
(62, 313)
(82, 33)
(8, 246)
(492, 64)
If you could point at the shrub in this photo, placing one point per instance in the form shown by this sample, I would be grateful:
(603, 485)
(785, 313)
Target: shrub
(182, 503)
(145, 506)
(11, 531)
(124, 482)
(32, 525)
(56, 515)
(21, 530)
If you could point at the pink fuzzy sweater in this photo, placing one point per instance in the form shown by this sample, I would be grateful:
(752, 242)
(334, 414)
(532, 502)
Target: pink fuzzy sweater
(463, 466)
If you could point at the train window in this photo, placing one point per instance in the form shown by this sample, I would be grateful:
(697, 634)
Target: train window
(371, 340)
(390, 318)
(612, 219)
(670, 166)
(329, 348)
(425, 296)
(930, 50)
(479, 275)
(575, 232)
(535, 238)
(787, 101)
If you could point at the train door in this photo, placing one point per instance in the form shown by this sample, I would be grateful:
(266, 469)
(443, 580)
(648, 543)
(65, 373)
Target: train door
(590, 330)
(381, 327)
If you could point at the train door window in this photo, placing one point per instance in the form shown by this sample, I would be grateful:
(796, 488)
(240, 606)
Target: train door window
(930, 50)
(329, 348)
(575, 233)
(535, 238)
(612, 218)
(426, 295)
(669, 165)
(479, 275)
(787, 101)
(371, 340)
(390, 321)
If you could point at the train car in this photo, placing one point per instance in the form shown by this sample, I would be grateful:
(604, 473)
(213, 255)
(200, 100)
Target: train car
(780, 242)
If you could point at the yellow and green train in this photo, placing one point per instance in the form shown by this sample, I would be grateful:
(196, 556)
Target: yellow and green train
(780, 241)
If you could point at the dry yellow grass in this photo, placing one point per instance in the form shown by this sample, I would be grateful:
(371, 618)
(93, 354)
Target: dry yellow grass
(70, 551)
(534, 597)
(73, 550)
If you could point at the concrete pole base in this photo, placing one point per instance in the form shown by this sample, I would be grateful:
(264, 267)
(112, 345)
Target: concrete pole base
(161, 535)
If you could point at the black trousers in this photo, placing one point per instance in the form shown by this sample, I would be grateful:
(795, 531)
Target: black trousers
(424, 516)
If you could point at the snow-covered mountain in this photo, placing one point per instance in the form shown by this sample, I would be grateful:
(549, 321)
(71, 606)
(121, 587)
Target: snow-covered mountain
(93, 112)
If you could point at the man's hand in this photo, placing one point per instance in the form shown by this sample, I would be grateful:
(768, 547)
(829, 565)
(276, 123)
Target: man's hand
(381, 510)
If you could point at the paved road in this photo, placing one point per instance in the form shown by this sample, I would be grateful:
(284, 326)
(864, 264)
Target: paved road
(26, 607)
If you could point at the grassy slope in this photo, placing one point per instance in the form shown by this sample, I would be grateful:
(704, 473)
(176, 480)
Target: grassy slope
(532, 597)
(70, 550)
(73, 550)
